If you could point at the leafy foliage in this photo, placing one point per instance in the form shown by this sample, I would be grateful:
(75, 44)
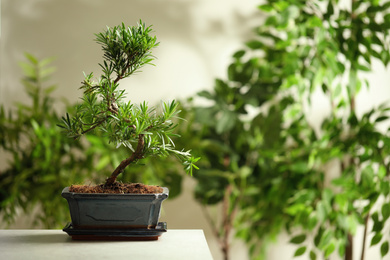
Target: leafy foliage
(139, 128)
(322, 43)
(42, 161)
(263, 159)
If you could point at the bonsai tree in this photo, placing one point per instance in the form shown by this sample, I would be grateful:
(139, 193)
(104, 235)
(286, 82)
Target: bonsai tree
(137, 127)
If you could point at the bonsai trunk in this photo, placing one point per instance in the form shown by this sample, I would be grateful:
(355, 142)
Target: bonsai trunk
(135, 156)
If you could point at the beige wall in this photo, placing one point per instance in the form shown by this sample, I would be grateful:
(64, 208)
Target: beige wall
(197, 39)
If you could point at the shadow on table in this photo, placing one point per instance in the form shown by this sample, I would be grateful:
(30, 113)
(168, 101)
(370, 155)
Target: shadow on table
(40, 238)
(60, 238)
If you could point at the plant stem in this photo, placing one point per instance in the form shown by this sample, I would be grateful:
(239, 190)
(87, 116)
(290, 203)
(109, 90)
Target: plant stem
(209, 219)
(226, 223)
(364, 236)
(119, 77)
(135, 156)
(219, 235)
(93, 127)
(349, 248)
(128, 65)
(223, 234)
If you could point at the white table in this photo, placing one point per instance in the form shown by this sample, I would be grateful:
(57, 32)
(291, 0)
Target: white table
(57, 245)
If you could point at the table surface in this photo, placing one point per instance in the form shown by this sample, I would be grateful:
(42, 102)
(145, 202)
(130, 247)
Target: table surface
(55, 244)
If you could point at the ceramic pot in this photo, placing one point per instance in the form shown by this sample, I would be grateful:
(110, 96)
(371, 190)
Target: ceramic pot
(114, 211)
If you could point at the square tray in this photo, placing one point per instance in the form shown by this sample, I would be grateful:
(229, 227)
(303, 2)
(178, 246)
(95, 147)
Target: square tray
(139, 234)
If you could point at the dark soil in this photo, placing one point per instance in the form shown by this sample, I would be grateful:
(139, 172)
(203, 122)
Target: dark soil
(117, 187)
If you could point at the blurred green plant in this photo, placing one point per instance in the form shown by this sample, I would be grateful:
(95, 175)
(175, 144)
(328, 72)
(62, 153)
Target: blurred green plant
(265, 162)
(42, 161)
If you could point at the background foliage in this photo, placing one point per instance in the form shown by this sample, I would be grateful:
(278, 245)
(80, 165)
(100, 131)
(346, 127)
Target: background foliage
(267, 164)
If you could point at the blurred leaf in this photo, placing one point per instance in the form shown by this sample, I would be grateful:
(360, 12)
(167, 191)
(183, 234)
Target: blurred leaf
(226, 122)
(384, 248)
(313, 255)
(300, 251)
(298, 239)
(376, 239)
(385, 211)
(330, 249)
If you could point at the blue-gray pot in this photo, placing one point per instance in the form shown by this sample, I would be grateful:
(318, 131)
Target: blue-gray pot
(114, 211)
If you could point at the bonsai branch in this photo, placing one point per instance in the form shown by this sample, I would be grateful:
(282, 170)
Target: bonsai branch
(94, 126)
(113, 108)
(135, 156)
(128, 65)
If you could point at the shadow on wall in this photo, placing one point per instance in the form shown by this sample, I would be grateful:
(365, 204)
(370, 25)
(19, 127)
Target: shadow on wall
(190, 33)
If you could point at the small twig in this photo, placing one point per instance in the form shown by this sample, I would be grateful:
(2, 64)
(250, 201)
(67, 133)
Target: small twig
(128, 65)
(93, 127)
(211, 222)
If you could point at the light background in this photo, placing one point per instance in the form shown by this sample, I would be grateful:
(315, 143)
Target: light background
(197, 39)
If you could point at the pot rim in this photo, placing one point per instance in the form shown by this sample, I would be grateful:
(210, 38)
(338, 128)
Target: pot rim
(66, 194)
